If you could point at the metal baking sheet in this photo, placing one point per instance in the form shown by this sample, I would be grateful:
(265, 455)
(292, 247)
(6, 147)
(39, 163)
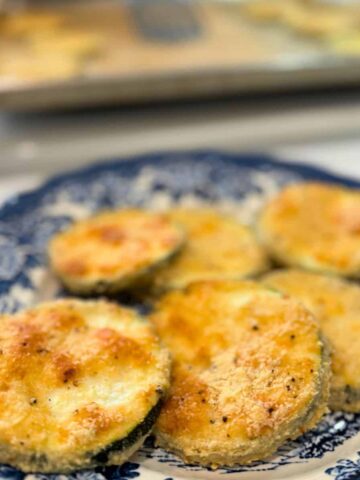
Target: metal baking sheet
(195, 49)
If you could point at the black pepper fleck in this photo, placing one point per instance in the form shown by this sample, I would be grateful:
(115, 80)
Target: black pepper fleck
(41, 350)
(33, 401)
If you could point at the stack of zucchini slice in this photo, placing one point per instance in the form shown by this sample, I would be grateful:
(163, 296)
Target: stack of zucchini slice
(83, 382)
(315, 227)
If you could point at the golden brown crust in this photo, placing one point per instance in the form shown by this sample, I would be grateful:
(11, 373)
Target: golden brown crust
(336, 303)
(314, 226)
(248, 371)
(112, 250)
(217, 248)
(75, 377)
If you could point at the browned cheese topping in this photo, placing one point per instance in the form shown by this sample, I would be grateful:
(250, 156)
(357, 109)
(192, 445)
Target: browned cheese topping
(218, 247)
(113, 245)
(75, 376)
(336, 303)
(315, 226)
(246, 359)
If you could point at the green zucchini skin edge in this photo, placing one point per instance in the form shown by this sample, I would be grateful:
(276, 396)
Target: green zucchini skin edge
(346, 399)
(142, 429)
(123, 448)
(129, 282)
(269, 445)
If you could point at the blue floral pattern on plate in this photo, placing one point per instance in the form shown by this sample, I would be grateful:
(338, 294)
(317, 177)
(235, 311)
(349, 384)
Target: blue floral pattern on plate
(237, 183)
(346, 469)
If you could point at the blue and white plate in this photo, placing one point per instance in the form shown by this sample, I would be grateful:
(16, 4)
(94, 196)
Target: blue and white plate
(237, 183)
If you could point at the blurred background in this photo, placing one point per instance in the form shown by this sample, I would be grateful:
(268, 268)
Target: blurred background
(82, 80)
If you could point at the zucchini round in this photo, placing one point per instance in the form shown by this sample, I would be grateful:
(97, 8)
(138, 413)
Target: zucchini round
(314, 226)
(217, 248)
(336, 303)
(81, 385)
(250, 371)
(113, 250)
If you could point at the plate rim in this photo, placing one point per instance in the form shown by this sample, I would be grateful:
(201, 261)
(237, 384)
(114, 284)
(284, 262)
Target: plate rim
(25, 201)
(18, 201)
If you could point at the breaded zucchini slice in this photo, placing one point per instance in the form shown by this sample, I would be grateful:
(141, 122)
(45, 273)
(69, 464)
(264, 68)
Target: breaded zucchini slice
(218, 248)
(336, 303)
(250, 371)
(81, 384)
(113, 250)
(314, 226)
